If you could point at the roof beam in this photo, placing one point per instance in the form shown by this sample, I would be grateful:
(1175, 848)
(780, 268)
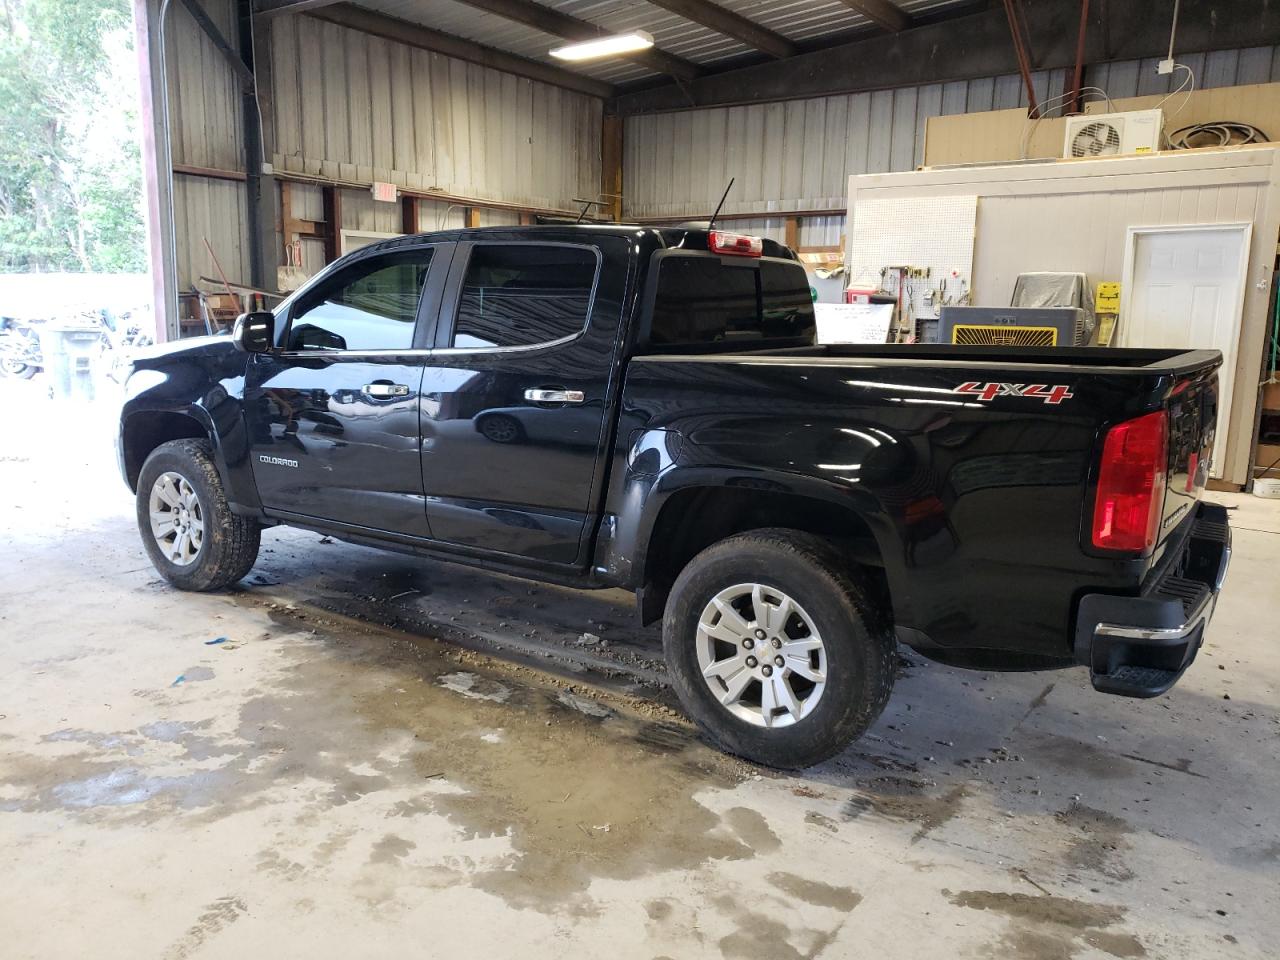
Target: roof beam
(731, 24)
(967, 47)
(888, 15)
(218, 40)
(562, 25)
(416, 35)
(269, 8)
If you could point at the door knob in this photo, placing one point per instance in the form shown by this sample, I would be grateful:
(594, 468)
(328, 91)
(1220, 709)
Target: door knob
(547, 395)
(384, 391)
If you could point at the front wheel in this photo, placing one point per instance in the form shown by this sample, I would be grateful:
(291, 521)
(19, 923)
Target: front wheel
(17, 369)
(187, 527)
(775, 650)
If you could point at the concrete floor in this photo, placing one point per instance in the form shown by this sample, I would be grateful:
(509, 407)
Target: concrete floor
(332, 781)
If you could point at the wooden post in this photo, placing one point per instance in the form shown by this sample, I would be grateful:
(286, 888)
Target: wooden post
(526, 218)
(611, 130)
(792, 235)
(332, 223)
(472, 215)
(409, 215)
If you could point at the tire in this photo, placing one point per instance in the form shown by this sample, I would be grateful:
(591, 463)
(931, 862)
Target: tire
(19, 371)
(228, 545)
(854, 655)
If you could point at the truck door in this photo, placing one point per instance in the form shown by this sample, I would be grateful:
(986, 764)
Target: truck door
(515, 395)
(333, 415)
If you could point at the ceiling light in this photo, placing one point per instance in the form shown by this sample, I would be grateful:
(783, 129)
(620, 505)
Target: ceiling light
(611, 46)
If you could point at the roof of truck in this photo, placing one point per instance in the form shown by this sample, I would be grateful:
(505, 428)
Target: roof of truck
(691, 236)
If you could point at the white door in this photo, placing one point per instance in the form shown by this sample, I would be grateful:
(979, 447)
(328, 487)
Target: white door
(1185, 289)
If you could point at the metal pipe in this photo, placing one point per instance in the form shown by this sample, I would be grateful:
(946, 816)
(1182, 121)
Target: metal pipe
(1020, 51)
(1074, 104)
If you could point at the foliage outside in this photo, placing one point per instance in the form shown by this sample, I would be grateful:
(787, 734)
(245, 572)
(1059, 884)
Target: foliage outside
(70, 169)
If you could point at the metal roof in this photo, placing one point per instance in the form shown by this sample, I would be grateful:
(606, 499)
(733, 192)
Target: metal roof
(805, 22)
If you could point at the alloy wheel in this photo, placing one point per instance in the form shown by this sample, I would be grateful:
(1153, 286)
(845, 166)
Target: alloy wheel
(761, 655)
(177, 518)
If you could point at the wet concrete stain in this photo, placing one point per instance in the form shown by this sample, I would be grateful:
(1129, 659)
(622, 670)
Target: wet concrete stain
(1053, 928)
(1098, 841)
(391, 849)
(1076, 755)
(757, 936)
(906, 799)
(816, 892)
(216, 917)
(753, 829)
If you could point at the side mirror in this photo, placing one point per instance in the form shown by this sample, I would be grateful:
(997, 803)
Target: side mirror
(255, 332)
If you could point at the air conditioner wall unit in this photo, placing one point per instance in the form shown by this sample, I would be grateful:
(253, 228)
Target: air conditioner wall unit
(1113, 134)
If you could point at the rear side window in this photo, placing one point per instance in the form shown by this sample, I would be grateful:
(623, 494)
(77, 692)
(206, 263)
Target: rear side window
(704, 299)
(521, 295)
(371, 305)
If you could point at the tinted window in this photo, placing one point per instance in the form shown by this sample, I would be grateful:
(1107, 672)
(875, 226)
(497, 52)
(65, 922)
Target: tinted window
(371, 305)
(702, 299)
(521, 295)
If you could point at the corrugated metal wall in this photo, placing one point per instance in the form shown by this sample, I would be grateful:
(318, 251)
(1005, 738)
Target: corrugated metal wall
(798, 155)
(354, 107)
(205, 131)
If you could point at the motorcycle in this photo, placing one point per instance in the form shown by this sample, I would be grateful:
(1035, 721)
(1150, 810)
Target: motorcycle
(20, 356)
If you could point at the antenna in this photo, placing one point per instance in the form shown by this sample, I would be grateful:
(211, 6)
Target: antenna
(586, 205)
(724, 196)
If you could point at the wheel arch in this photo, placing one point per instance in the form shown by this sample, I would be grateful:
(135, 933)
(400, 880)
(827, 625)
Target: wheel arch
(685, 518)
(143, 431)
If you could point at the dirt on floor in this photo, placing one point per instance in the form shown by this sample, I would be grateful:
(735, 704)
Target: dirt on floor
(359, 754)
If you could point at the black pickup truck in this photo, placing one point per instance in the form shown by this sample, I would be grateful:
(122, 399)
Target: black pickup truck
(621, 406)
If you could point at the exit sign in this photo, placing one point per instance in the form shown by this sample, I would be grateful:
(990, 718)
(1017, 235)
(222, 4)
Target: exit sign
(386, 192)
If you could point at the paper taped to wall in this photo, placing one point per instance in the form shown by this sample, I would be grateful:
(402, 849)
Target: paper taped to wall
(853, 322)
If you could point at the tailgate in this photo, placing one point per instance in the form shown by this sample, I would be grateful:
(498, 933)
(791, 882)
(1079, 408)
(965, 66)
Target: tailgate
(1193, 420)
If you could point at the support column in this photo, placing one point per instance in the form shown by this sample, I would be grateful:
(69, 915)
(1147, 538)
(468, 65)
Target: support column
(260, 182)
(611, 165)
(157, 176)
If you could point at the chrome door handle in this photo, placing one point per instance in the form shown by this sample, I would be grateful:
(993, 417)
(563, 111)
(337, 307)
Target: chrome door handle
(383, 391)
(555, 396)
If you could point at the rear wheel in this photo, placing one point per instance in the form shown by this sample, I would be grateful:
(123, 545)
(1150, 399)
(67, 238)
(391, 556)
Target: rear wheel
(775, 650)
(187, 527)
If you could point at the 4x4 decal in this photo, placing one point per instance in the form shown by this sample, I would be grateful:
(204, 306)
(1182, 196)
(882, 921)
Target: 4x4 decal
(1048, 393)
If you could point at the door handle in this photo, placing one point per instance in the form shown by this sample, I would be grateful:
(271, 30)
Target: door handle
(382, 390)
(544, 395)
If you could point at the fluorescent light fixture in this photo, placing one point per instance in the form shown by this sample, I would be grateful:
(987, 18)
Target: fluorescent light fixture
(612, 46)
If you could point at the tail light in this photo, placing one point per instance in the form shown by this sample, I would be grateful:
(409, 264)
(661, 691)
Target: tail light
(1131, 483)
(735, 243)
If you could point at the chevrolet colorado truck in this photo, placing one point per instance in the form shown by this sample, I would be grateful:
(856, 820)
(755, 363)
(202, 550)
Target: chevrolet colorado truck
(647, 408)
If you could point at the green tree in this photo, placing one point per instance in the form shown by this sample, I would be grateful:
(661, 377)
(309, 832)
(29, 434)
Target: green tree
(70, 176)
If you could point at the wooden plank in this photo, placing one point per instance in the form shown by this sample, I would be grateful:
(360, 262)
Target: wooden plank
(409, 215)
(611, 165)
(791, 237)
(471, 216)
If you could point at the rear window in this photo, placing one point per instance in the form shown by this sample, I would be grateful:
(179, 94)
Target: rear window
(705, 299)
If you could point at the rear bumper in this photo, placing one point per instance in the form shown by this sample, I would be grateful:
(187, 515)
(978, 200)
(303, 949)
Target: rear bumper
(1140, 646)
